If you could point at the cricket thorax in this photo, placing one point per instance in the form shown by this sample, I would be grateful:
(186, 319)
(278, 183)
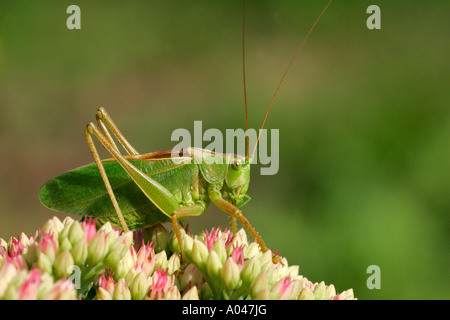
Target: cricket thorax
(197, 192)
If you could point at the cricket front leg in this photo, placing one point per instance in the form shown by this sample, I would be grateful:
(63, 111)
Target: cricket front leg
(224, 205)
(182, 212)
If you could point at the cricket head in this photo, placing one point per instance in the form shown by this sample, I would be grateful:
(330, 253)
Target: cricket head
(229, 171)
(237, 180)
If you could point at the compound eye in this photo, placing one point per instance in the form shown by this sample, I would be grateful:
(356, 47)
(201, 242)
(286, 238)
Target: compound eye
(237, 166)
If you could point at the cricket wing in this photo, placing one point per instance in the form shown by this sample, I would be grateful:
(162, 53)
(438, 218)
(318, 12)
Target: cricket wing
(82, 192)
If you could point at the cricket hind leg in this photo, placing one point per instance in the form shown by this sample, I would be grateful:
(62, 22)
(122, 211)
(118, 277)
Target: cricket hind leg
(87, 133)
(162, 198)
(104, 122)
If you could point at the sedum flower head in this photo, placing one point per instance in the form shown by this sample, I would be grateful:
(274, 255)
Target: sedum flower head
(64, 252)
(33, 284)
(72, 260)
(231, 267)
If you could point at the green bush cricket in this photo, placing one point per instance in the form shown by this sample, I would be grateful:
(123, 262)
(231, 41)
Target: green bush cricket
(137, 191)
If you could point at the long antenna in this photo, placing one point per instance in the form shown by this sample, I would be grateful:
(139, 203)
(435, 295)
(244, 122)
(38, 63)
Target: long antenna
(243, 75)
(285, 72)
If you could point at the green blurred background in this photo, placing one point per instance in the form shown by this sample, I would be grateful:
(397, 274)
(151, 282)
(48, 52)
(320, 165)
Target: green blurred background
(363, 116)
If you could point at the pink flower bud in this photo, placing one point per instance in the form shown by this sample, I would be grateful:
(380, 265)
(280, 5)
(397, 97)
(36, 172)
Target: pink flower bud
(238, 255)
(282, 289)
(47, 246)
(28, 289)
(89, 228)
(62, 290)
(15, 248)
(107, 284)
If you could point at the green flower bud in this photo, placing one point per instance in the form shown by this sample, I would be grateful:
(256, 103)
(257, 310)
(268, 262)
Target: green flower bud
(346, 295)
(319, 291)
(230, 274)
(122, 268)
(7, 272)
(157, 235)
(176, 247)
(102, 294)
(61, 290)
(67, 295)
(330, 292)
(172, 294)
(306, 294)
(121, 291)
(187, 244)
(65, 245)
(119, 248)
(199, 253)
(174, 263)
(44, 263)
(129, 277)
(63, 233)
(67, 222)
(3, 244)
(112, 235)
(107, 227)
(161, 260)
(250, 271)
(24, 240)
(97, 248)
(32, 253)
(191, 294)
(45, 286)
(251, 250)
(292, 271)
(263, 295)
(213, 265)
(11, 293)
(206, 292)
(62, 263)
(240, 239)
(54, 226)
(298, 286)
(80, 252)
(219, 248)
(260, 283)
(266, 260)
(75, 232)
(139, 286)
